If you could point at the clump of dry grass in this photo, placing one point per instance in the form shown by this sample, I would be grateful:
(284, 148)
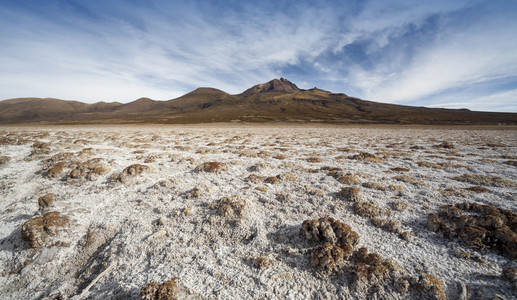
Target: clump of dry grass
(273, 179)
(280, 156)
(263, 262)
(314, 159)
(367, 209)
(455, 192)
(39, 230)
(4, 159)
(169, 290)
(262, 166)
(256, 179)
(264, 154)
(56, 171)
(439, 166)
(330, 230)
(479, 179)
(399, 205)
(374, 185)
(348, 178)
(478, 226)
(365, 156)
(90, 169)
(232, 208)
(399, 169)
(289, 177)
(47, 200)
(197, 191)
(263, 189)
(350, 194)
(478, 189)
(445, 145)
(212, 167)
(336, 252)
(433, 287)
(409, 179)
(131, 171)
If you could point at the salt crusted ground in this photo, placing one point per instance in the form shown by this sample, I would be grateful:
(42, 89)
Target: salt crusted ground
(224, 234)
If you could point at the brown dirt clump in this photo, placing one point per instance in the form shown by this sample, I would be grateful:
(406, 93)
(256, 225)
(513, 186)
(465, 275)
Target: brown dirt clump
(479, 179)
(232, 207)
(47, 200)
(38, 230)
(314, 159)
(365, 156)
(478, 189)
(399, 205)
(256, 179)
(350, 194)
(131, 171)
(374, 185)
(347, 178)
(273, 179)
(329, 256)
(4, 159)
(445, 145)
(212, 167)
(409, 179)
(367, 209)
(171, 289)
(478, 226)
(330, 230)
(57, 170)
(432, 287)
(398, 169)
(90, 169)
(263, 262)
(455, 192)
(336, 252)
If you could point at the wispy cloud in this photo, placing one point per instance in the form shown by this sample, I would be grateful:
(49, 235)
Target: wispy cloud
(401, 51)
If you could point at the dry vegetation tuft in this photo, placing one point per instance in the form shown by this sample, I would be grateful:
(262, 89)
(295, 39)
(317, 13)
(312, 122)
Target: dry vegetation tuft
(132, 171)
(479, 179)
(212, 167)
(47, 200)
(4, 159)
(232, 208)
(350, 194)
(38, 231)
(478, 226)
(365, 156)
(172, 289)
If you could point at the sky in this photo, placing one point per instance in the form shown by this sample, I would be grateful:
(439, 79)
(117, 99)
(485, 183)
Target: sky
(451, 54)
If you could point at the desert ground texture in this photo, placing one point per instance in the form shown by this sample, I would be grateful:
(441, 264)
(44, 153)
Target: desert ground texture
(226, 211)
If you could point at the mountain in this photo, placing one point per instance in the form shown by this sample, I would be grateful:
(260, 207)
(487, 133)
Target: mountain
(278, 100)
(276, 85)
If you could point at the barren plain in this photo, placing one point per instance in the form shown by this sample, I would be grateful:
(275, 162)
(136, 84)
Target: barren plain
(225, 211)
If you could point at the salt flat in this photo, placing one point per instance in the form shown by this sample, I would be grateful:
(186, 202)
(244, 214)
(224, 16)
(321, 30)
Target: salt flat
(221, 208)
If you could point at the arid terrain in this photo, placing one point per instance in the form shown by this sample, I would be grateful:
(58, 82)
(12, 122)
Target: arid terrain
(225, 211)
(278, 100)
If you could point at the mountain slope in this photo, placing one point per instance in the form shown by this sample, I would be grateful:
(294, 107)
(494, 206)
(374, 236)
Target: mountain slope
(275, 101)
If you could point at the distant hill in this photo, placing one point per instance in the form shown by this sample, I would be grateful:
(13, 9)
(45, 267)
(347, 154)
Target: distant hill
(278, 100)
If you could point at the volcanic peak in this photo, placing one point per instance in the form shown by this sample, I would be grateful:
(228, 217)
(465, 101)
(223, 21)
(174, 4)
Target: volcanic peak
(276, 85)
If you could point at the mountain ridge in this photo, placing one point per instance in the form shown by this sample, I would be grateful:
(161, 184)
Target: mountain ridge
(278, 100)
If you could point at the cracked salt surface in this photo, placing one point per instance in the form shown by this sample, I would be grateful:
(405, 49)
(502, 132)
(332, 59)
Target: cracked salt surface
(154, 227)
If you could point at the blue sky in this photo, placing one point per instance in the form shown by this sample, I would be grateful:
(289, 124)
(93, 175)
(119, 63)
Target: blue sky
(454, 54)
